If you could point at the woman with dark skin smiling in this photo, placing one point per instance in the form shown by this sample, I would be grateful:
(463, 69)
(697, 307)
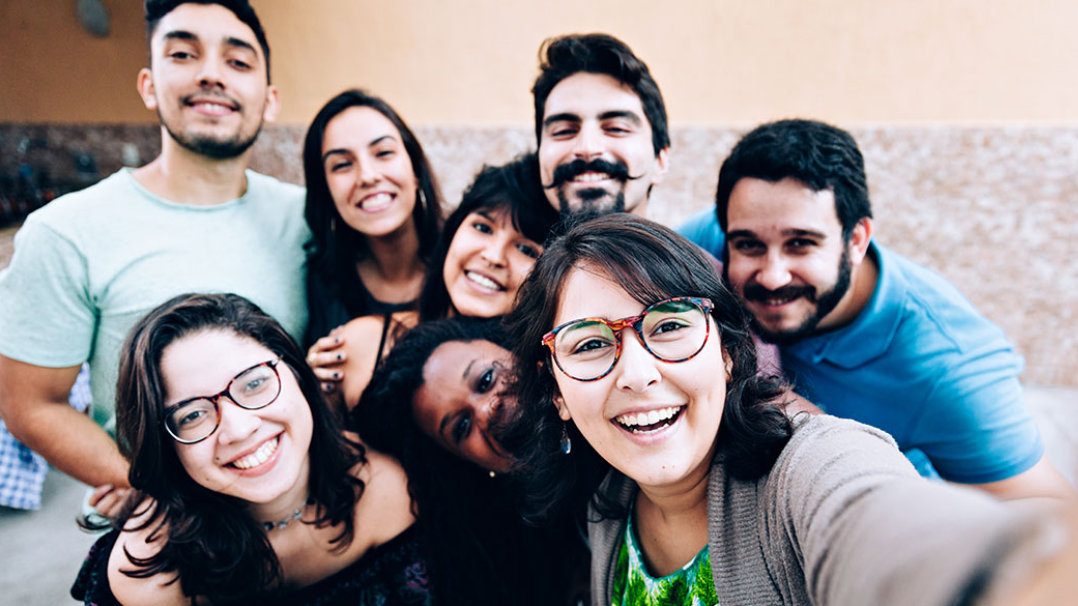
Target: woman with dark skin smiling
(443, 389)
(702, 490)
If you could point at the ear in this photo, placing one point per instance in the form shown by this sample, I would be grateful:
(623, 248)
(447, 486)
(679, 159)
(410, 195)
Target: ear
(563, 410)
(727, 362)
(662, 166)
(859, 239)
(273, 104)
(144, 84)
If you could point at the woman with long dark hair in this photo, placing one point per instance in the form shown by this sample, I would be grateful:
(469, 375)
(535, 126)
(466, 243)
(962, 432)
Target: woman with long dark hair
(489, 244)
(244, 486)
(435, 405)
(374, 210)
(639, 398)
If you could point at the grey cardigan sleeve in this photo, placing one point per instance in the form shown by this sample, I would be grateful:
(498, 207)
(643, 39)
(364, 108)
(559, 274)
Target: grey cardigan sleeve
(870, 531)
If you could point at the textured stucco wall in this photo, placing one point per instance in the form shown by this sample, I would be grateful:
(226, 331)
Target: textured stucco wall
(995, 210)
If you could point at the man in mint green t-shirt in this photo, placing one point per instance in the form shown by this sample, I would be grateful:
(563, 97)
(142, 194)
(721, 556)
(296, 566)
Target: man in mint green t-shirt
(90, 264)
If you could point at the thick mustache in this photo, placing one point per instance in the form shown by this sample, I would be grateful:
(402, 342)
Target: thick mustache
(755, 292)
(567, 172)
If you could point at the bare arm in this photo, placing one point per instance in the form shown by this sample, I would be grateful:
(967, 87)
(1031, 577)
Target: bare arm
(1041, 480)
(33, 404)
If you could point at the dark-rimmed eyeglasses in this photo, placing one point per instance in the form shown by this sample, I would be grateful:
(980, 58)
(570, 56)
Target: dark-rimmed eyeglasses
(195, 419)
(672, 330)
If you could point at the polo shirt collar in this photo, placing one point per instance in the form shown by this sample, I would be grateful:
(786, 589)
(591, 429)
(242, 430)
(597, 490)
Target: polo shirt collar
(870, 334)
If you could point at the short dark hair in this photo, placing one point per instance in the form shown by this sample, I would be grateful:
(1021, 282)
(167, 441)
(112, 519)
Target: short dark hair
(217, 548)
(333, 249)
(817, 154)
(156, 9)
(651, 262)
(515, 187)
(566, 55)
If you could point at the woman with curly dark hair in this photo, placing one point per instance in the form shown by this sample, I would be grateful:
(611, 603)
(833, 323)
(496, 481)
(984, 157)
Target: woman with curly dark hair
(435, 405)
(639, 398)
(244, 486)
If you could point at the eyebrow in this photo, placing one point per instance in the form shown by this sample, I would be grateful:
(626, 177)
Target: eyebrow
(341, 150)
(621, 113)
(562, 117)
(182, 34)
(745, 233)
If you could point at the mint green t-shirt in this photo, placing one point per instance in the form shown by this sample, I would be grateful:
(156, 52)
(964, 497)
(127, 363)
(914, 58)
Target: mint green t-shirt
(90, 264)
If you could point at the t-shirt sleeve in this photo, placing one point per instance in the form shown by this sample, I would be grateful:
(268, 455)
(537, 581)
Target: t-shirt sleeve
(46, 314)
(975, 426)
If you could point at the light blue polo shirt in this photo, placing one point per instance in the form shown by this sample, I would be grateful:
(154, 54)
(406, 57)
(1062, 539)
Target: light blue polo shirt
(922, 364)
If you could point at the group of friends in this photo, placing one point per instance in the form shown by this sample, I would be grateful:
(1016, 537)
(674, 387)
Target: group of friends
(337, 395)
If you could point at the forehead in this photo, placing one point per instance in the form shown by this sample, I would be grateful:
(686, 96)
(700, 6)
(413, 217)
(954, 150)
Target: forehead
(588, 292)
(761, 207)
(206, 22)
(358, 125)
(204, 362)
(586, 95)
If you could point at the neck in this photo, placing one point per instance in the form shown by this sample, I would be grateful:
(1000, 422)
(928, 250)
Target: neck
(286, 504)
(671, 524)
(640, 210)
(394, 257)
(863, 278)
(686, 500)
(184, 177)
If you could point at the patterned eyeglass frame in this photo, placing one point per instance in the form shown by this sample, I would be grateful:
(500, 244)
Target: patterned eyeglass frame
(636, 322)
(224, 393)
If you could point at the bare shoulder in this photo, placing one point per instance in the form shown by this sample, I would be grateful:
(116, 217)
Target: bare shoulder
(362, 341)
(144, 542)
(385, 508)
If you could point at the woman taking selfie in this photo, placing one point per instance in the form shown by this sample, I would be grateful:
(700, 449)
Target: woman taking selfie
(244, 487)
(638, 384)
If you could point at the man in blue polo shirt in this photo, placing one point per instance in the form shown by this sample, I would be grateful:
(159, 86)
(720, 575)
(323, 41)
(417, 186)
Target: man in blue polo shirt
(863, 332)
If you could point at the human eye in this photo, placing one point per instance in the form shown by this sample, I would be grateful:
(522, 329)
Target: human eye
(590, 346)
(530, 249)
(240, 64)
(748, 247)
(482, 226)
(800, 244)
(486, 380)
(191, 415)
(338, 165)
(461, 428)
(562, 130)
(617, 128)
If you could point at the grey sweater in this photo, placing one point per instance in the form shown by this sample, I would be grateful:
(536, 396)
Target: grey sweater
(842, 519)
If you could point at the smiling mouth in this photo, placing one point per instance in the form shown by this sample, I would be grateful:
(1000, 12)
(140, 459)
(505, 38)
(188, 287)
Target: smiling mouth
(376, 202)
(258, 457)
(590, 177)
(650, 421)
(483, 281)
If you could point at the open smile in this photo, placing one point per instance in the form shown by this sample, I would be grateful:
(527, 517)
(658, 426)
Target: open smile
(591, 177)
(211, 106)
(260, 460)
(649, 422)
(376, 202)
(483, 281)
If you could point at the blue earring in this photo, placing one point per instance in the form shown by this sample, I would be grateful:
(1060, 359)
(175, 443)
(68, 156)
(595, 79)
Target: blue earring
(566, 443)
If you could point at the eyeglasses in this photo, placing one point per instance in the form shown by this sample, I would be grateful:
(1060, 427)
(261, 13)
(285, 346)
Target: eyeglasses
(673, 330)
(195, 419)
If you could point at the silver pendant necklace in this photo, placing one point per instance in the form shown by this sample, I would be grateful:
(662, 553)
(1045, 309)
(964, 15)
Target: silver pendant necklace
(283, 523)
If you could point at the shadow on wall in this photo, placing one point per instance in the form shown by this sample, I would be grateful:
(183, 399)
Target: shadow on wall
(992, 209)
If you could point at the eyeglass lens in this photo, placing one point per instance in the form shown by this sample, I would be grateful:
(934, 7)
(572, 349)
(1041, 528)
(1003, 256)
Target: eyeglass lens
(671, 330)
(196, 419)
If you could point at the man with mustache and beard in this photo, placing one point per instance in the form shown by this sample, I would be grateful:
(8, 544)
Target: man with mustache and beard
(88, 265)
(600, 123)
(863, 332)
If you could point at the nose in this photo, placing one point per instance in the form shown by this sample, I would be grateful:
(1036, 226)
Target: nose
(494, 253)
(589, 143)
(368, 174)
(235, 423)
(209, 74)
(774, 274)
(636, 369)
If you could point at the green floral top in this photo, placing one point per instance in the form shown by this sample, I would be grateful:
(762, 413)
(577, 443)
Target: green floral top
(691, 585)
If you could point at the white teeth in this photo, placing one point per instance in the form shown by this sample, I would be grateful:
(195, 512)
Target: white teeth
(376, 202)
(483, 281)
(590, 177)
(259, 456)
(633, 421)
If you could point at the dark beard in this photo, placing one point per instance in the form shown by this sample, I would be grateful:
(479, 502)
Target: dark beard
(825, 304)
(591, 198)
(212, 148)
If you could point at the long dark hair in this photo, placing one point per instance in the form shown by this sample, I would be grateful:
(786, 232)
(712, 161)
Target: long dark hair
(219, 551)
(479, 550)
(335, 247)
(651, 263)
(515, 187)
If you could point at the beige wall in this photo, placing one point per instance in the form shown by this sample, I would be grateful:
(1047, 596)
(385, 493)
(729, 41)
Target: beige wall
(471, 62)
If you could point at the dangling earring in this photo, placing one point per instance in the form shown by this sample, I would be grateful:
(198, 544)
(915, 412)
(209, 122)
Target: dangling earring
(492, 474)
(566, 442)
(420, 197)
